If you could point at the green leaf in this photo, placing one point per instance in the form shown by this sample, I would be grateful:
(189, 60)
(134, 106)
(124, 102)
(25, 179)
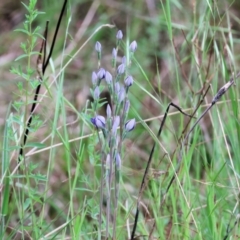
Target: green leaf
(33, 166)
(23, 31)
(39, 177)
(35, 144)
(26, 6)
(17, 105)
(21, 57)
(18, 120)
(26, 203)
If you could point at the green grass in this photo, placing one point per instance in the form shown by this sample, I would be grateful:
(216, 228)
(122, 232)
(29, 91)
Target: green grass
(182, 48)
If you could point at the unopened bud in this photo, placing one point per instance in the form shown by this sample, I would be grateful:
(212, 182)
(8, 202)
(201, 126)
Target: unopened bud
(118, 161)
(130, 125)
(114, 53)
(119, 35)
(96, 93)
(94, 78)
(109, 111)
(116, 123)
(101, 73)
(128, 81)
(117, 87)
(124, 60)
(121, 95)
(98, 47)
(108, 162)
(126, 106)
(99, 122)
(108, 77)
(121, 69)
(133, 46)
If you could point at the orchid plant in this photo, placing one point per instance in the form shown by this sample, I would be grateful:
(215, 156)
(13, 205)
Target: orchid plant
(114, 126)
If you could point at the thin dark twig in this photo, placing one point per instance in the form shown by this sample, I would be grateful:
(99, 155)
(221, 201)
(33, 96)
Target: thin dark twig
(41, 74)
(149, 163)
(45, 46)
(55, 36)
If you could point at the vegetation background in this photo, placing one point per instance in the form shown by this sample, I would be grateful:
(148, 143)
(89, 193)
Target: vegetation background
(183, 46)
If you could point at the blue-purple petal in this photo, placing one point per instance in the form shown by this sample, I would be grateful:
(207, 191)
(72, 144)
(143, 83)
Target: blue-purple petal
(130, 125)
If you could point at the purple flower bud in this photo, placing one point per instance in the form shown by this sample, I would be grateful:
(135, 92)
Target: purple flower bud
(118, 161)
(96, 93)
(114, 53)
(109, 111)
(121, 95)
(98, 47)
(108, 162)
(133, 46)
(128, 81)
(124, 60)
(117, 87)
(121, 69)
(108, 77)
(94, 78)
(101, 73)
(126, 106)
(130, 125)
(116, 123)
(119, 35)
(99, 122)
(117, 141)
